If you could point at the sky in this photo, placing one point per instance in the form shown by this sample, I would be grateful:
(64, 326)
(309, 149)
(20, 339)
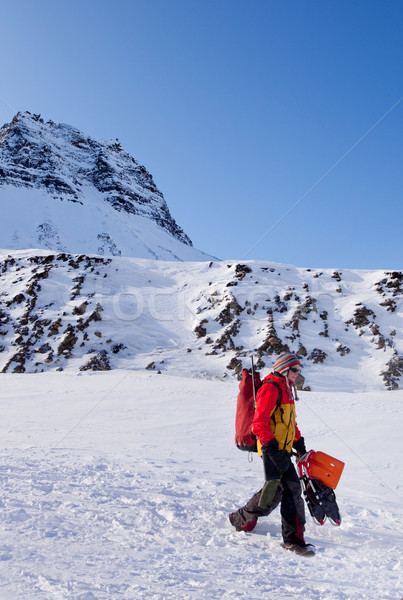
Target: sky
(273, 128)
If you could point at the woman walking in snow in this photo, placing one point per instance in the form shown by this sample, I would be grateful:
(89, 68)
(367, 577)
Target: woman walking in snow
(275, 427)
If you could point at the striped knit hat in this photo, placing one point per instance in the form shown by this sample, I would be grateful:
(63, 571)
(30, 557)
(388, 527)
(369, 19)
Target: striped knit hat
(285, 361)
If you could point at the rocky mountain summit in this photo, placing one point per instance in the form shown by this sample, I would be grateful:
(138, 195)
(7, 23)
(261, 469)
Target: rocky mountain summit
(63, 190)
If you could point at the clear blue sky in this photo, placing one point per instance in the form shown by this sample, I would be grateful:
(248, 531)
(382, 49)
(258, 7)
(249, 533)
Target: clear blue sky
(238, 108)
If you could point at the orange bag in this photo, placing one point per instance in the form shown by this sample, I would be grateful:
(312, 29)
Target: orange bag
(324, 467)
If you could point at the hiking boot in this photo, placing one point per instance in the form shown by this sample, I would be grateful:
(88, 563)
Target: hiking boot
(245, 527)
(301, 548)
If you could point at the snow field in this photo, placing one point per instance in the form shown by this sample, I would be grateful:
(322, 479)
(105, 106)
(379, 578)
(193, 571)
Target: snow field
(118, 486)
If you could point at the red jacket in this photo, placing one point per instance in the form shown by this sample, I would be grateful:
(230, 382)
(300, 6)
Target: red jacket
(270, 422)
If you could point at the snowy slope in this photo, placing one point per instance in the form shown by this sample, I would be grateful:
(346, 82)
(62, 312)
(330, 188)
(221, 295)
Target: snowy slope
(63, 190)
(204, 319)
(117, 486)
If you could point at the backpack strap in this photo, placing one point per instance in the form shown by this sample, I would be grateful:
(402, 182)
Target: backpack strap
(278, 401)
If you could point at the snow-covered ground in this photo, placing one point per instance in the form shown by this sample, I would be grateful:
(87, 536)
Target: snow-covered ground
(118, 485)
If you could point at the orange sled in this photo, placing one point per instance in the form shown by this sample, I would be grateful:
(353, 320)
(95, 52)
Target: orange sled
(323, 467)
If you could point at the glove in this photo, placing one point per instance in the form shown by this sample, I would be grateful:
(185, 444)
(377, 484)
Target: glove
(271, 447)
(299, 447)
(280, 458)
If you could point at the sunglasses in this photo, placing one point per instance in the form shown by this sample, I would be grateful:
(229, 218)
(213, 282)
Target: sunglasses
(294, 370)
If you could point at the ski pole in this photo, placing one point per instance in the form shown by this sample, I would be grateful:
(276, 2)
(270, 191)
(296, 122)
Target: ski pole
(253, 384)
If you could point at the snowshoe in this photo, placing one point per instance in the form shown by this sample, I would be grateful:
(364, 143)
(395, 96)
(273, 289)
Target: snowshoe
(316, 510)
(321, 502)
(319, 473)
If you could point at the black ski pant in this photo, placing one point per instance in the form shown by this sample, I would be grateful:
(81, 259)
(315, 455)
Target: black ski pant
(248, 513)
(292, 507)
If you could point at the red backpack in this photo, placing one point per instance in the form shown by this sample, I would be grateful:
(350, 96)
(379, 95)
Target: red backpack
(245, 410)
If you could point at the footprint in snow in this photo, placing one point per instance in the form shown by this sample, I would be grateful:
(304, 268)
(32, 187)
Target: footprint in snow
(5, 553)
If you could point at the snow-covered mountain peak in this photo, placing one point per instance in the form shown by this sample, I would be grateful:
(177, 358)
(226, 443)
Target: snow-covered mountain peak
(66, 191)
